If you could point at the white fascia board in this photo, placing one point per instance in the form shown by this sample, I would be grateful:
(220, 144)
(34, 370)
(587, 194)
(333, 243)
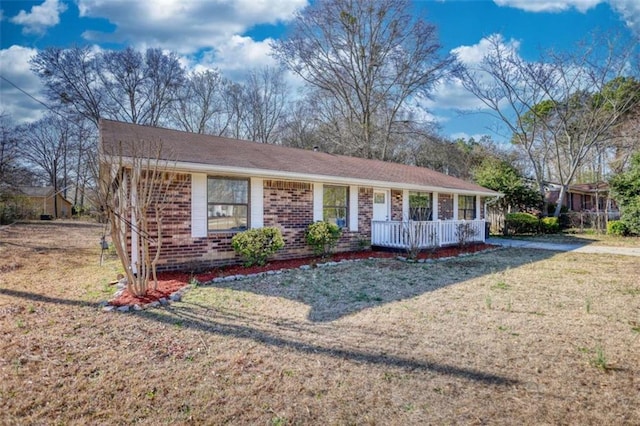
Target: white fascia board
(181, 166)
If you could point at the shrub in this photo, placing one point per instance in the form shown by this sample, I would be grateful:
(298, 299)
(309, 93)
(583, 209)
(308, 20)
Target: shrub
(550, 225)
(631, 216)
(323, 237)
(256, 245)
(521, 223)
(616, 227)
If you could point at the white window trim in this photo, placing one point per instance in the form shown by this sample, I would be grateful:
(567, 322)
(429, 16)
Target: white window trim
(318, 196)
(353, 208)
(198, 205)
(256, 202)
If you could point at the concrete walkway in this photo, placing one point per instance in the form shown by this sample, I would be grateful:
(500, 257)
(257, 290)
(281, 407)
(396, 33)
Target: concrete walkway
(578, 248)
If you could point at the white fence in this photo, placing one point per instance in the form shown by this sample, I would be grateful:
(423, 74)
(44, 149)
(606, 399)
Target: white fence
(404, 235)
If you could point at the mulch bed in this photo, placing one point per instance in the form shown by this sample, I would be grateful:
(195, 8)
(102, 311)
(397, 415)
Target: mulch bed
(170, 282)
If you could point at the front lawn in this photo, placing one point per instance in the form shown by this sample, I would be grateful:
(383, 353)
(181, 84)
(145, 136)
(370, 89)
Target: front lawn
(504, 337)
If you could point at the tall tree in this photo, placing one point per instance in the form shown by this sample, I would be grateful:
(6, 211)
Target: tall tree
(123, 85)
(8, 150)
(558, 109)
(200, 105)
(369, 58)
(266, 97)
(45, 146)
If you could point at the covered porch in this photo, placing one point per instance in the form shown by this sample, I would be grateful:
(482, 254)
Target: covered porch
(426, 234)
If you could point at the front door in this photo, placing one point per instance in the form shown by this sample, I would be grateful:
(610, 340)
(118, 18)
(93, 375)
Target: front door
(381, 205)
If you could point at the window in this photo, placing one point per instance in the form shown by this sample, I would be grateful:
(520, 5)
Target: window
(466, 207)
(335, 204)
(420, 206)
(227, 204)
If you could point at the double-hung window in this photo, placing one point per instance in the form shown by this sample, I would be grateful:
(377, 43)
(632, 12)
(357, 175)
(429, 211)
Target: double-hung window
(335, 204)
(420, 206)
(466, 207)
(227, 204)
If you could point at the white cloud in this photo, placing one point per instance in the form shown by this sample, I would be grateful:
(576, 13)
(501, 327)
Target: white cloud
(184, 26)
(472, 55)
(452, 94)
(40, 18)
(549, 5)
(630, 12)
(15, 68)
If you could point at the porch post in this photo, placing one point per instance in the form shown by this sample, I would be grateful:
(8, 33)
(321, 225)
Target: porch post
(456, 215)
(434, 207)
(478, 208)
(405, 205)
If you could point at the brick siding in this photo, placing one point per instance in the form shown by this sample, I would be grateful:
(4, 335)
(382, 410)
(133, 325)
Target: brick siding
(288, 206)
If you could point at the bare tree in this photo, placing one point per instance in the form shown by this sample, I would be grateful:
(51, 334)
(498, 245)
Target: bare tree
(136, 187)
(368, 58)
(122, 85)
(200, 105)
(557, 108)
(72, 80)
(8, 150)
(45, 146)
(266, 99)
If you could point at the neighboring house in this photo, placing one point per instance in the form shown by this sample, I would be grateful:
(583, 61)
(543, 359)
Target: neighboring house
(584, 197)
(43, 201)
(230, 185)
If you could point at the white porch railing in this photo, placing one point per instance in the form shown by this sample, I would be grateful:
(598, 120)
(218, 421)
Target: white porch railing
(403, 235)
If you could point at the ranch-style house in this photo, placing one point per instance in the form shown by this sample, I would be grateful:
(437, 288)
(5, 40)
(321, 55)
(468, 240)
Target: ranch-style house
(226, 186)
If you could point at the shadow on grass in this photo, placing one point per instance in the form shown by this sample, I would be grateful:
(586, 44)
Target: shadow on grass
(337, 291)
(46, 299)
(187, 315)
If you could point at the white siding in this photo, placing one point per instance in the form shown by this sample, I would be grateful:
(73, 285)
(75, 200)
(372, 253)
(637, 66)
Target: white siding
(318, 195)
(257, 203)
(198, 205)
(353, 208)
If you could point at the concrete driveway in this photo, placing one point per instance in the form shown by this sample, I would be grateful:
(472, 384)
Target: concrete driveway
(578, 248)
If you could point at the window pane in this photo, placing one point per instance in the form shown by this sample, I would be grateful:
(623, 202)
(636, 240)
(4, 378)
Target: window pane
(337, 215)
(420, 205)
(335, 205)
(228, 191)
(224, 217)
(335, 196)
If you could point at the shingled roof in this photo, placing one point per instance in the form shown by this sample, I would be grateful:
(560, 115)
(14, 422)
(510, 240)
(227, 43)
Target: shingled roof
(213, 152)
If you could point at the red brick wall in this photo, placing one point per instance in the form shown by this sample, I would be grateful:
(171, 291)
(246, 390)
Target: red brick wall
(396, 205)
(287, 206)
(445, 206)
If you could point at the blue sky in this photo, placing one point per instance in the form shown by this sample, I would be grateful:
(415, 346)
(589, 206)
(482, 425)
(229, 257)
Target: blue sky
(234, 37)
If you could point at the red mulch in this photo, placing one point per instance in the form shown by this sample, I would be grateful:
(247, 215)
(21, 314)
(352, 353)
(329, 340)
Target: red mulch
(170, 282)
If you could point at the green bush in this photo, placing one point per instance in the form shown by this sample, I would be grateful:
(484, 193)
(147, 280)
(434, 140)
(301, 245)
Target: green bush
(256, 245)
(521, 223)
(323, 237)
(631, 216)
(550, 225)
(616, 227)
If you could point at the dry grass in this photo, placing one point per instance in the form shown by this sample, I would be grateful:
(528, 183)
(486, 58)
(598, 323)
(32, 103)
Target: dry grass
(503, 337)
